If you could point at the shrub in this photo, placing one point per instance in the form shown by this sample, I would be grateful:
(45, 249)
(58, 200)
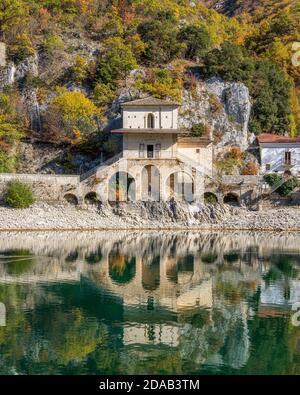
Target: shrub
(287, 188)
(52, 44)
(79, 70)
(234, 153)
(19, 195)
(199, 130)
(210, 198)
(21, 49)
(250, 169)
(272, 179)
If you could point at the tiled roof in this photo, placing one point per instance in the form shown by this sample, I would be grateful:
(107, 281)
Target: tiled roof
(274, 138)
(150, 101)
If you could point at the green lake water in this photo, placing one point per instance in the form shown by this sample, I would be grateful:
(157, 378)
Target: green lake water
(149, 303)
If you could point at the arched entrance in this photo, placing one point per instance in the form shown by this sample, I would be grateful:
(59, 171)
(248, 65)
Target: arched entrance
(121, 187)
(231, 199)
(210, 198)
(180, 186)
(71, 199)
(150, 183)
(91, 198)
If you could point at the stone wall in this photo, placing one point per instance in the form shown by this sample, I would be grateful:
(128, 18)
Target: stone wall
(47, 188)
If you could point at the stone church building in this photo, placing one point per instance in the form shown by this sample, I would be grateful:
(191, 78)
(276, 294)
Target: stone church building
(158, 161)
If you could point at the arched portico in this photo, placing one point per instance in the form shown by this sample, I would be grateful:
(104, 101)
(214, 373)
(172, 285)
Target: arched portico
(180, 186)
(150, 183)
(121, 187)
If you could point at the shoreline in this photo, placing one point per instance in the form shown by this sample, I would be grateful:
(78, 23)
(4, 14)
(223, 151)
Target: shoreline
(151, 216)
(146, 229)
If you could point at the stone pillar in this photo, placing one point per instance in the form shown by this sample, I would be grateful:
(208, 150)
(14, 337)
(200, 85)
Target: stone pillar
(199, 187)
(162, 184)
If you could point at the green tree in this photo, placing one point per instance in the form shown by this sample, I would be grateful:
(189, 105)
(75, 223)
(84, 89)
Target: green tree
(116, 63)
(160, 37)
(196, 39)
(269, 87)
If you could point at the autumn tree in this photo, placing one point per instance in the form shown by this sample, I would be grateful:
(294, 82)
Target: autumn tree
(71, 118)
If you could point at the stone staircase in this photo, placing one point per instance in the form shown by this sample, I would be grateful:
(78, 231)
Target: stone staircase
(101, 167)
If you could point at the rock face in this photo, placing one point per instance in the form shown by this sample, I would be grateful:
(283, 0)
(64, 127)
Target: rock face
(223, 106)
(11, 74)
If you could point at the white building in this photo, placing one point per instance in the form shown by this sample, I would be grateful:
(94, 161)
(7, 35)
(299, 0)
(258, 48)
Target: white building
(279, 154)
(159, 160)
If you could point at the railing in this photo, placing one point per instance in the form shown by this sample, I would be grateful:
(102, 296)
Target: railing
(206, 171)
(276, 186)
(100, 167)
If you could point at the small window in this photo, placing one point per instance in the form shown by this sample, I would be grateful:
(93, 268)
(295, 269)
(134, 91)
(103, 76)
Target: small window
(150, 121)
(198, 150)
(287, 158)
(142, 151)
(268, 167)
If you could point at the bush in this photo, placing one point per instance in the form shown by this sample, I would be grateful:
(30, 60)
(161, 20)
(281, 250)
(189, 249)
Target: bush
(287, 188)
(234, 153)
(19, 195)
(21, 49)
(250, 169)
(199, 130)
(272, 179)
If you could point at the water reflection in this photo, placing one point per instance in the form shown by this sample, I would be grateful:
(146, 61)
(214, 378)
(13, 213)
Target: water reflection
(152, 302)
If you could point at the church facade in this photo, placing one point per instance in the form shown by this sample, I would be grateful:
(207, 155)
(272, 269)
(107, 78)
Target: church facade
(159, 161)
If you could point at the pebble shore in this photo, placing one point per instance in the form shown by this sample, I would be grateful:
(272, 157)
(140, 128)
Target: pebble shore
(149, 216)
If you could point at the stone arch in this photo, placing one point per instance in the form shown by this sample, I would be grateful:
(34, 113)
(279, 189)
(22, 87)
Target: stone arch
(150, 121)
(210, 198)
(150, 183)
(232, 199)
(180, 185)
(71, 199)
(91, 198)
(151, 274)
(122, 269)
(121, 187)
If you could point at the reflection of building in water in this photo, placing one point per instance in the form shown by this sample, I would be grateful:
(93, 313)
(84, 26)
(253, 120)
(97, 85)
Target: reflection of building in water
(277, 298)
(168, 285)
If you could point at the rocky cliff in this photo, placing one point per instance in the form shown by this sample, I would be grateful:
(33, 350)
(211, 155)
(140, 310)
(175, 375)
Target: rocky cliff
(224, 107)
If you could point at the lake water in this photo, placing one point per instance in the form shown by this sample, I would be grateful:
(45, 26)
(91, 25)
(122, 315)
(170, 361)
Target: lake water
(149, 302)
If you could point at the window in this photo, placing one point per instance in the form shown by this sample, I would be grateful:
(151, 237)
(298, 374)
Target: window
(157, 150)
(150, 151)
(268, 167)
(198, 151)
(287, 158)
(150, 121)
(142, 151)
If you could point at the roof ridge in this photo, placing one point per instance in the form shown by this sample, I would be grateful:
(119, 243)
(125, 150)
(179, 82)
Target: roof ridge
(150, 100)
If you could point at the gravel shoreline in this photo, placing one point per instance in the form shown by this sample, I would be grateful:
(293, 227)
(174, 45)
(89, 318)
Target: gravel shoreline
(171, 216)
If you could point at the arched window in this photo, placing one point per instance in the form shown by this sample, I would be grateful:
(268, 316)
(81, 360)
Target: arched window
(150, 121)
